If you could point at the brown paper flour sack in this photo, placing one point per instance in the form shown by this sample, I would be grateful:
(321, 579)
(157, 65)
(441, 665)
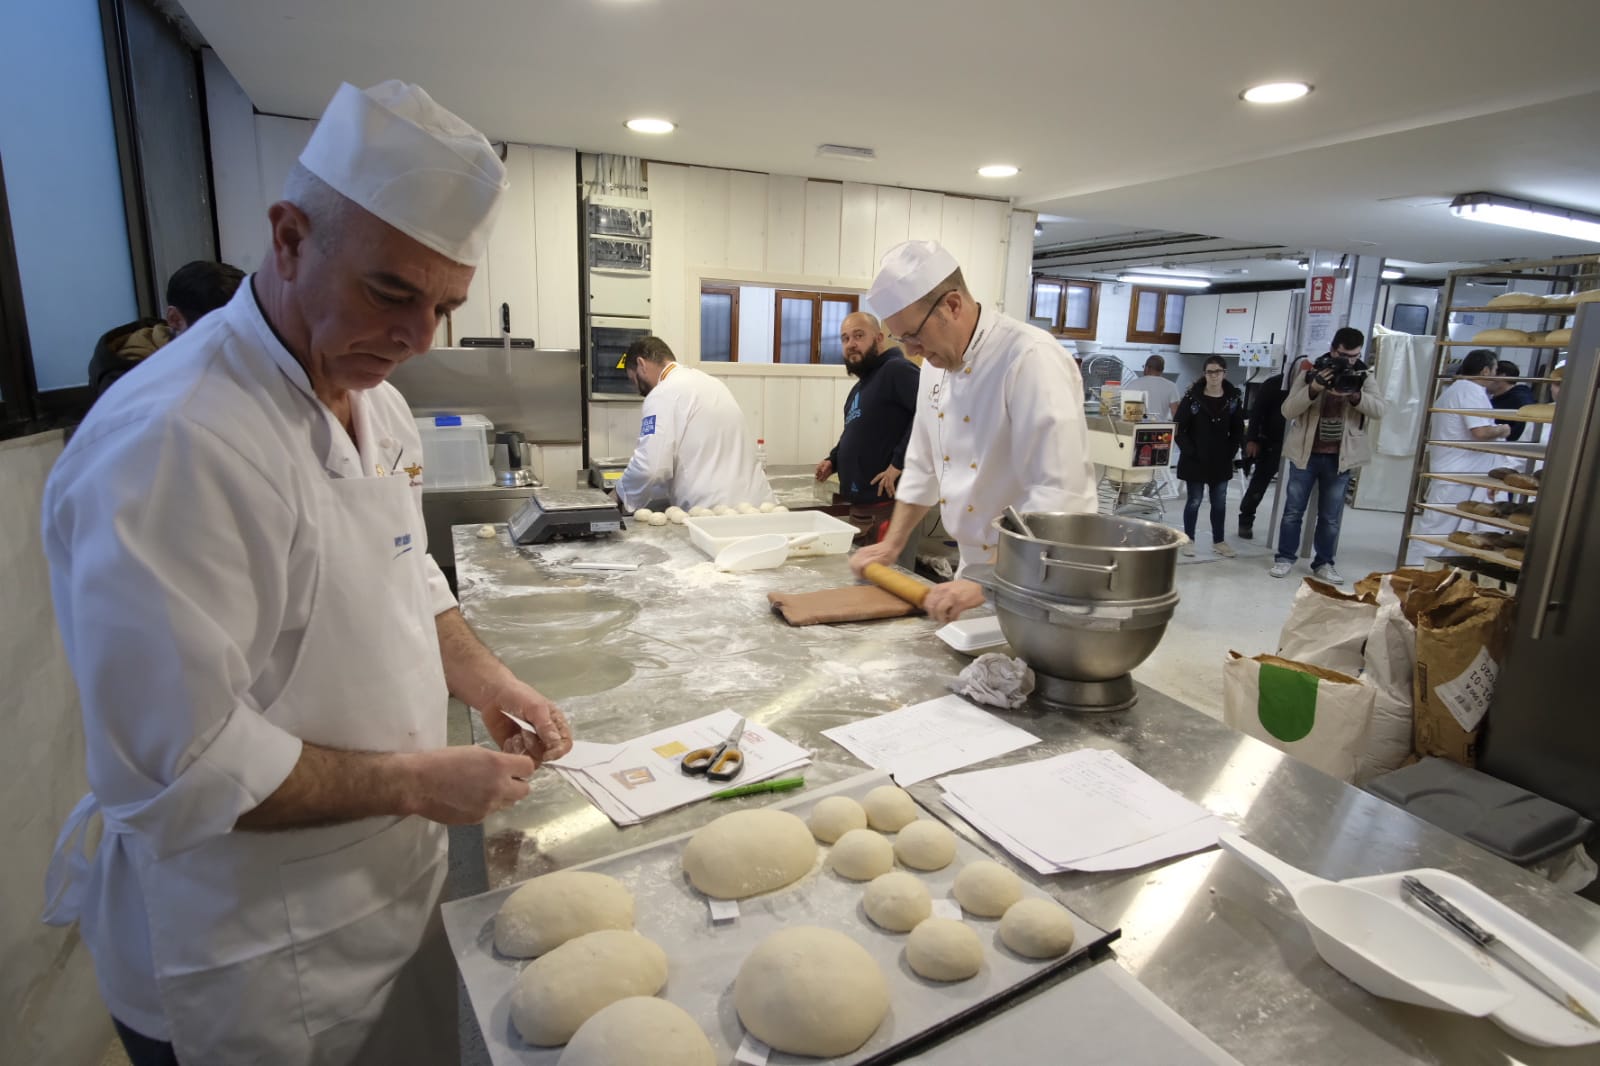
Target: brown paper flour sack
(1461, 644)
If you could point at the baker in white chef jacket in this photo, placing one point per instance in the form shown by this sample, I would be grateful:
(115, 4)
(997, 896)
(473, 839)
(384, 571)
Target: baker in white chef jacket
(263, 647)
(999, 417)
(694, 449)
(1466, 393)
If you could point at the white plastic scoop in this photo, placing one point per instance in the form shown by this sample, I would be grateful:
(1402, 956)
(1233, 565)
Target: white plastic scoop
(761, 552)
(1379, 944)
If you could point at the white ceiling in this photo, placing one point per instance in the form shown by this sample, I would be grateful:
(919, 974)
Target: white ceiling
(1122, 116)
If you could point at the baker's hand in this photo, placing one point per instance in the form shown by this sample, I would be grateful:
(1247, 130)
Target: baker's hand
(882, 552)
(885, 481)
(524, 701)
(825, 470)
(1251, 449)
(464, 785)
(947, 602)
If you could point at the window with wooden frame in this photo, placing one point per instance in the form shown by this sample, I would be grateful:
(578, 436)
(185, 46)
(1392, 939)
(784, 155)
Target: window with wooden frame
(719, 324)
(806, 326)
(1155, 316)
(1067, 307)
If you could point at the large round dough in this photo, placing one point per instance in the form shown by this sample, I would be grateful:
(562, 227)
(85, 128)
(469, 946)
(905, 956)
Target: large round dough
(811, 991)
(986, 888)
(677, 515)
(639, 1029)
(925, 845)
(658, 519)
(768, 507)
(1037, 928)
(897, 901)
(861, 855)
(560, 991)
(550, 910)
(835, 816)
(943, 949)
(748, 852)
(889, 808)
(644, 514)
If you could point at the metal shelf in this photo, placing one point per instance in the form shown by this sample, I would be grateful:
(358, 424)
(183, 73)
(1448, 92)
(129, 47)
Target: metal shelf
(1558, 312)
(1514, 449)
(1472, 553)
(1505, 344)
(1468, 516)
(1487, 483)
(1508, 415)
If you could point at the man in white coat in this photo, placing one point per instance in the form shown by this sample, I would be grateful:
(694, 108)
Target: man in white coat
(693, 450)
(1466, 393)
(999, 418)
(263, 648)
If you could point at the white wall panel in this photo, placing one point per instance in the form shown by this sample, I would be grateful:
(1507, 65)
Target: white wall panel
(781, 419)
(1018, 280)
(893, 222)
(956, 232)
(706, 233)
(236, 169)
(747, 221)
(814, 436)
(824, 208)
(786, 224)
(985, 265)
(509, 274)
(858, 231)
(668, 300)
(750, 394)
(926, 221)
(555, 247)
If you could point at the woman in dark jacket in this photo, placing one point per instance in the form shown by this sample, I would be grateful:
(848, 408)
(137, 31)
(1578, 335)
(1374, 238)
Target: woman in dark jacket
(1209, 432)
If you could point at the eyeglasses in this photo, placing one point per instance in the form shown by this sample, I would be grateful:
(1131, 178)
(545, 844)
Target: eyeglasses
(910, 336)
(1216, 370)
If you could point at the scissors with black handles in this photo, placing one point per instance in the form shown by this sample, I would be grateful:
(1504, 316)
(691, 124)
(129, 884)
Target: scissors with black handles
(721, 763)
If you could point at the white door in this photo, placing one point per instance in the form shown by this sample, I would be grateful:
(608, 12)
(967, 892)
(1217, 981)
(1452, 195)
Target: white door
(1199, 324)
(1236, 316)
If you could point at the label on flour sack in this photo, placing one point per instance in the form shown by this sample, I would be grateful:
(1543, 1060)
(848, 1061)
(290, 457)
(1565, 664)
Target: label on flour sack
(726, 910)
(1468, 696)
(752, 1051)
(947, 908)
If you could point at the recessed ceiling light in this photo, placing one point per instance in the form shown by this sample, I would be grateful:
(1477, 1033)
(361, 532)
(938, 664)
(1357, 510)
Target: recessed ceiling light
(1275, 92)
(650, 125)
(1166, 279)
(997, 170)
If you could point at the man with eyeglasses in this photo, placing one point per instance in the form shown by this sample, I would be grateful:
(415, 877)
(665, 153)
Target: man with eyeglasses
(999, 419)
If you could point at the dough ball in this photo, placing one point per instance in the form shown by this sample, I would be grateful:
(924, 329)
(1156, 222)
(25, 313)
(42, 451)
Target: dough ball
(768, 507)
(1037, 928)
(658, 519)
(925, 845)
(811, 991)
(560, 991)
(749, 852)
(780, 509)
(747, 508)
(639, 1029)
(700, 512)
(486, 532)
(677, 516)
(722, 509)
(897, 901)
(835, 816)
(548, 911)
(889, 808)
(943, 949)
(861, 855)
(986, 888)
(644, 514)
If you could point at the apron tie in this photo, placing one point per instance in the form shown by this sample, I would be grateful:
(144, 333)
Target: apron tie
(67, 879)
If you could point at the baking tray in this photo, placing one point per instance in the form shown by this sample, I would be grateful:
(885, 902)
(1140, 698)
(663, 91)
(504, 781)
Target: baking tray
(704, 959)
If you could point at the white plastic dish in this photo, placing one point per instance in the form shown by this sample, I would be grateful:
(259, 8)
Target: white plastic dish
(712, 534)
(1379, 943)
(974, 635)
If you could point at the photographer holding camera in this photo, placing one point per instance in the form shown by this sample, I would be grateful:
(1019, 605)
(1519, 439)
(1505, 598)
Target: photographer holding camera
(1330, 408)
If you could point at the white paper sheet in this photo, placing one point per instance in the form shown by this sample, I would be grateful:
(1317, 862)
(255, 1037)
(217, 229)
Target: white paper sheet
(928, 739)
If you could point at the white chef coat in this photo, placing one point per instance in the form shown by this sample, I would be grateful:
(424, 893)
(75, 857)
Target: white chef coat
(693, 450)
(1159, 395)
(195, 564)
(1006, 427)
(1465, 395)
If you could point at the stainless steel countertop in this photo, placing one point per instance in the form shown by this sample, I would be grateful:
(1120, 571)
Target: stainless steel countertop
(627, 653)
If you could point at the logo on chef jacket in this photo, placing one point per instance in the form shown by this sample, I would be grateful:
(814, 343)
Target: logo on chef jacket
(402, 544)
(648, 426)
(414, 472)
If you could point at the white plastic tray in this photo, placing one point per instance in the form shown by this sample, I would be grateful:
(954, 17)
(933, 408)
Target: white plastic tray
(1531, 1016)
(713, 534)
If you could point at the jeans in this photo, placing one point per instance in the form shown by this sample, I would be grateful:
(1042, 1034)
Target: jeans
(1219, 509)
(143, 1051)
(1321, 471)
(1266, 469)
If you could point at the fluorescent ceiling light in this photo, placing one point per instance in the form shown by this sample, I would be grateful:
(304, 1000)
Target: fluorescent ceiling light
(650, 125)
(1303, 265)
(1165, 279)
(1393, 275)
(1523, 214)
(997, 170)
(1275, 92)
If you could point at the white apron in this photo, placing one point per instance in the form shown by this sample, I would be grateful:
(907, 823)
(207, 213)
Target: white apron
(282, 947)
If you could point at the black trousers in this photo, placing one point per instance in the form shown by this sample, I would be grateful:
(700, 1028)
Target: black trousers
(1260, 480)
(143, 1051)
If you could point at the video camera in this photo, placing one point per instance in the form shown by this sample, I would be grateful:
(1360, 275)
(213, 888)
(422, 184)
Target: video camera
(1338, 375)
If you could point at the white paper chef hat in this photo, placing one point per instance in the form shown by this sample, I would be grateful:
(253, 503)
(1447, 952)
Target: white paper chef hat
(907, 273)
(399, 155)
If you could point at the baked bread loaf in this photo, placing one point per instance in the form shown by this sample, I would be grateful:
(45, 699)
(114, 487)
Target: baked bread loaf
(1557, 336)
(1517, 299)
(1501, 336)
(1538, 412)
(1500, 473)
(1522, 481)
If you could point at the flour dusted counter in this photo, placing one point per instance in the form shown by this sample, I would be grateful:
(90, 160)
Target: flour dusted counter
(626, 653)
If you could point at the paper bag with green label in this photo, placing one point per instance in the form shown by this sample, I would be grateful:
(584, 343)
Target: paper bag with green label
(1318, 716)
(1460, 646)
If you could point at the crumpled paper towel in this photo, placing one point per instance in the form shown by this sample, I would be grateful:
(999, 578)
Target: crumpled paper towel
(995, 680)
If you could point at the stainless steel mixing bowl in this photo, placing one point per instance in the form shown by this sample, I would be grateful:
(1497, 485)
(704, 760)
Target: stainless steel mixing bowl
(1090, 557)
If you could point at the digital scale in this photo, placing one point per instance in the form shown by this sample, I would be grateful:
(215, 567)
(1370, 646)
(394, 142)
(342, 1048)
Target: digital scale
(564, 514)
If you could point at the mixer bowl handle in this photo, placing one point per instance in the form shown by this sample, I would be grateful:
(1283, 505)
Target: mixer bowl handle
(1108, 569)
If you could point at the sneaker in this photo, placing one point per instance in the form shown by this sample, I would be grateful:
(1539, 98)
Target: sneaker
(1223, 549)
(1187, 550)
(1327, 573)
(1247, 531)
(1281, 568)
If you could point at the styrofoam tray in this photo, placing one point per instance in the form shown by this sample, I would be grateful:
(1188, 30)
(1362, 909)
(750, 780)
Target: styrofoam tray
(1531, 1016)
(713, 534)
(704, 958)
(973, 634)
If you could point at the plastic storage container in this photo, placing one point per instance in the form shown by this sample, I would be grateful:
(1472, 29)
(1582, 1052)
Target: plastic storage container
(455, 451)
(833, 537)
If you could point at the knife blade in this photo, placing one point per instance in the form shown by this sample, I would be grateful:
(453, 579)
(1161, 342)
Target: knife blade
(1496, 948)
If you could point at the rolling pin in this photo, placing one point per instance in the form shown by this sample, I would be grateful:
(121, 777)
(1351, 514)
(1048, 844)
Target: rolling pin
(907, 588)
